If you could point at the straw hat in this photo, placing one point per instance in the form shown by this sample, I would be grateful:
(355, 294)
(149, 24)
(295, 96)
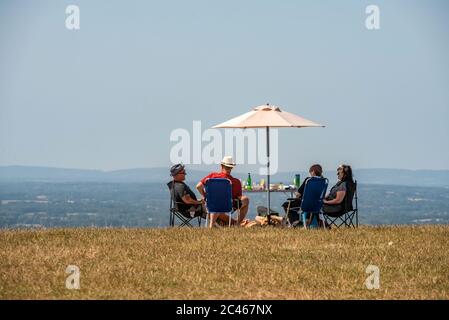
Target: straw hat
(228, 162)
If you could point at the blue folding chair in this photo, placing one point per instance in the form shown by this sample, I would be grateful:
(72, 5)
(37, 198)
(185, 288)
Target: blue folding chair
(312, 201)
(219, 197)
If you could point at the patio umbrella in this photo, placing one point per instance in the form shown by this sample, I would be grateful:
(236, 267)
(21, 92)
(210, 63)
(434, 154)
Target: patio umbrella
(267, 116)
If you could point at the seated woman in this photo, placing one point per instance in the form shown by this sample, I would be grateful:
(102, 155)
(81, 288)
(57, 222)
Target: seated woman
(293, 215)
(333, 204)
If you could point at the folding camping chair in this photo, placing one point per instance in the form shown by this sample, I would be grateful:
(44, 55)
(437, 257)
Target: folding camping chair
(311, 202)
(349, 213)
(219, 197)
(185, 217)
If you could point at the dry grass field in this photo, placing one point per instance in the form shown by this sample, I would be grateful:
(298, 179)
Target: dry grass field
(236, 263)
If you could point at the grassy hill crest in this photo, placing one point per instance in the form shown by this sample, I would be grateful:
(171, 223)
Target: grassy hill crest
(236, 263)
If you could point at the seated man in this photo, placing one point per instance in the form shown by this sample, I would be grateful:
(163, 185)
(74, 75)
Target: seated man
(293, 215)
(188, 204)
(227, 164)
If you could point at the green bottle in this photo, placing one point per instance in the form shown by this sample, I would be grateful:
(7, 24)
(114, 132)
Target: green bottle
(297, 181)
(249, 183)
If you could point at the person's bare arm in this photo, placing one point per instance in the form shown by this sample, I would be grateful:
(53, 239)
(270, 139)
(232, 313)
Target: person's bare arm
(338, 199)
(188, 200)
(200, 188)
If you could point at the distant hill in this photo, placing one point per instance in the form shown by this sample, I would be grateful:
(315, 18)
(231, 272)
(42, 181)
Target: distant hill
(425, 178)
(26, 173)
(430, 178)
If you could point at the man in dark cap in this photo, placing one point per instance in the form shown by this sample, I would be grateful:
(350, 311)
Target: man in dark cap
(188, 204)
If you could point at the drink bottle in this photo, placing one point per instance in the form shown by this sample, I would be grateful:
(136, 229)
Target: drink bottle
(297, 181)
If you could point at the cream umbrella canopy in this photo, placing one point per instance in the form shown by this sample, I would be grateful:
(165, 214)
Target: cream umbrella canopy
(267, 116)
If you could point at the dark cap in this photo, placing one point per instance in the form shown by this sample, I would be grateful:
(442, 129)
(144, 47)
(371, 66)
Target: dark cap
(177, 168)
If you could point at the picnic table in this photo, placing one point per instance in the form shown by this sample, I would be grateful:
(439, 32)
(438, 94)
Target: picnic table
(285, 190)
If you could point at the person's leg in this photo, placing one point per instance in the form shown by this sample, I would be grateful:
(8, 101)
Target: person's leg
(291, 204)
(221, 219)
(200, 211)
(285, 205)
(244, 208)
(224, 218)
(292, 215)
(196, 209)
(213, 219)
(333, 210)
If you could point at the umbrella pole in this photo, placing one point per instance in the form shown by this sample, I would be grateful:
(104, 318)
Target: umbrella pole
(268, 176)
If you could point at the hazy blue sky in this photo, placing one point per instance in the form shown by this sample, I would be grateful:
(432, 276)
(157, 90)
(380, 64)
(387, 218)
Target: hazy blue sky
(108, 95)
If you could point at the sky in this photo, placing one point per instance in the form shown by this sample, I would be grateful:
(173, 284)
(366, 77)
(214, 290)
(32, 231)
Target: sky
(108, 96)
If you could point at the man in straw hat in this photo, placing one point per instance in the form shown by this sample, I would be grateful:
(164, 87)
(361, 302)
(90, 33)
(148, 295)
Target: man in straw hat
(227, 164)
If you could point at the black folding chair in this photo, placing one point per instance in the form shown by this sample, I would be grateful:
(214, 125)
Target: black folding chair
(349, 213)
(184, 217)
